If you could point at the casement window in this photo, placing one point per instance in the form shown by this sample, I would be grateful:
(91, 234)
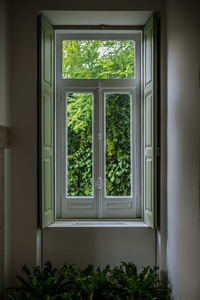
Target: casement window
(98, 120)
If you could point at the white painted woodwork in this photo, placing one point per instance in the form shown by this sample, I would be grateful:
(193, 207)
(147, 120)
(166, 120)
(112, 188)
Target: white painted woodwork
(150, 124)
(99, 205)
(47, 199)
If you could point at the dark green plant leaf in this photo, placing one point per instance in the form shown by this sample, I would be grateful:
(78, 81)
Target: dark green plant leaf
(121, 282)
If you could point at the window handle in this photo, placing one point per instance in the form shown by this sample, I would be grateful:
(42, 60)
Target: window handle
(98, 184)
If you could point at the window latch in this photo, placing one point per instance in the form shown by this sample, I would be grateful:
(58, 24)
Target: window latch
(98, 185)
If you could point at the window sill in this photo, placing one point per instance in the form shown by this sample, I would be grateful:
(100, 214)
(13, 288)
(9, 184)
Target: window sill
(101, 224)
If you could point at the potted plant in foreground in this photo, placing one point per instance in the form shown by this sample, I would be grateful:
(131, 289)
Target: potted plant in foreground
(69, 282)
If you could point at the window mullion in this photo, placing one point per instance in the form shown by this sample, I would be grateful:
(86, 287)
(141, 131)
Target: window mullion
(100, 163)
(95, 149)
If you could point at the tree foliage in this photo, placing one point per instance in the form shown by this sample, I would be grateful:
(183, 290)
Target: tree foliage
(98, 59)
(118, 164)
(79, 141)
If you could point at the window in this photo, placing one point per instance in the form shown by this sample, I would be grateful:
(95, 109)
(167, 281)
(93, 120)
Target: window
(98, 113)
(98, 140)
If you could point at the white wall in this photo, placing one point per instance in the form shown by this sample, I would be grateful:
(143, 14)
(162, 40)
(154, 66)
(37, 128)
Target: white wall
(60, 244)
(4, 63)
(5, 195)
(183, 243)
(99, 246)
(183, 148)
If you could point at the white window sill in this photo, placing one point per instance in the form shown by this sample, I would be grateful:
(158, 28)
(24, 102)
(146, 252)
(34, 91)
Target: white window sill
(92, 223)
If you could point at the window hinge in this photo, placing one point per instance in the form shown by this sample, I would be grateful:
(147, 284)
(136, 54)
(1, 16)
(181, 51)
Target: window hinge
(99, 136)
(98, 184)
(61, 96)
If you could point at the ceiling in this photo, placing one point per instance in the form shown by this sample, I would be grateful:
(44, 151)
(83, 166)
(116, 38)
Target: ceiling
(97, 17)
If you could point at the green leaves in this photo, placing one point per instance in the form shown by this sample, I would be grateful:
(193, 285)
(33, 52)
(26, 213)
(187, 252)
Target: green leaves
(98, 59)
(79, 143)
(122, 282)
(118, 145)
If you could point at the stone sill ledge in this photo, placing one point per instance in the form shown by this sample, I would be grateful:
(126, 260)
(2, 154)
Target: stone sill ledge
(99, 224)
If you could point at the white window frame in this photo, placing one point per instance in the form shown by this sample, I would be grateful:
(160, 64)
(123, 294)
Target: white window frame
(99, 87)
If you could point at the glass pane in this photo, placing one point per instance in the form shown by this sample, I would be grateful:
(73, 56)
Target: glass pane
(79, 144)
(118, 145)
(99, 59)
